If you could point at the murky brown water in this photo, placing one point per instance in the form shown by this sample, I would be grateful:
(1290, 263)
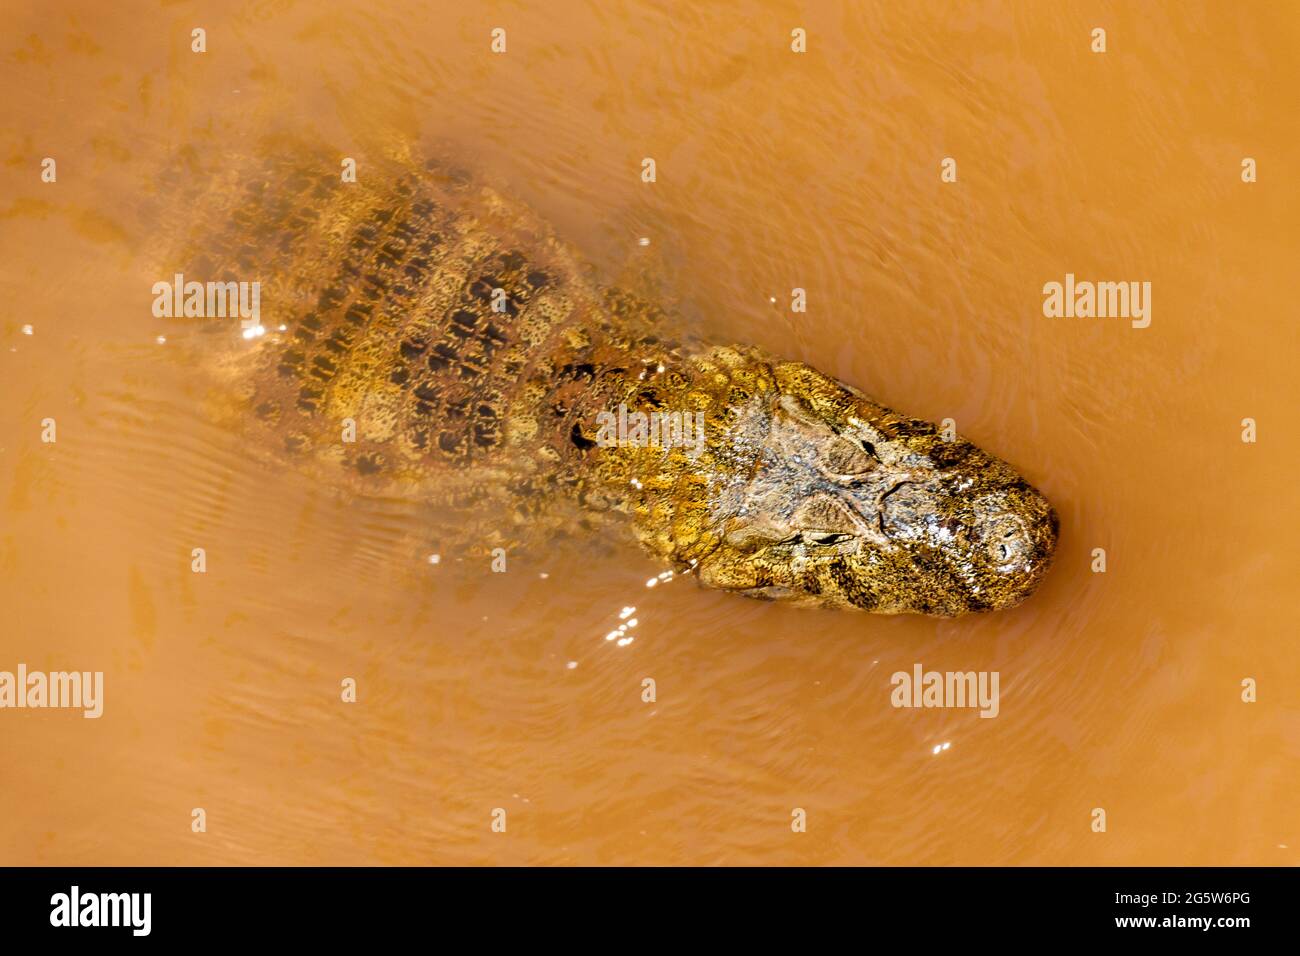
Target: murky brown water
(1119, 690)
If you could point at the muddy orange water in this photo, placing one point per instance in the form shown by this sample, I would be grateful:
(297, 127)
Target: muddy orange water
(1120, 691)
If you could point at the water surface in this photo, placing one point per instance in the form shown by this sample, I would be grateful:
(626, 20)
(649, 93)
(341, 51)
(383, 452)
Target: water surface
(1119, 690)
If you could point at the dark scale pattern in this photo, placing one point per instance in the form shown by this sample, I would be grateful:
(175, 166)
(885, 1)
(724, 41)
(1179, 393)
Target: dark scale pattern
(444, 323)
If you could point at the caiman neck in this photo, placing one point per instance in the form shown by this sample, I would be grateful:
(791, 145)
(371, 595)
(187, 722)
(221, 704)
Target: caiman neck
(664, 434)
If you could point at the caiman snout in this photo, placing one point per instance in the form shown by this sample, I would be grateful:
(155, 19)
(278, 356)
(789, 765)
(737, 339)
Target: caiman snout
(992, 533)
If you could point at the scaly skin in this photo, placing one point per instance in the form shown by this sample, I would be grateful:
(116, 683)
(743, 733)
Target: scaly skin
(489, 403)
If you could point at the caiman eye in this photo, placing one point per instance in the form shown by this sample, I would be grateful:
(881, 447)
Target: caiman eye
(844, 456)
(824, 537)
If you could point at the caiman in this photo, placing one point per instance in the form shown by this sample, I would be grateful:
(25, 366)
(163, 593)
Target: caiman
(421, 334)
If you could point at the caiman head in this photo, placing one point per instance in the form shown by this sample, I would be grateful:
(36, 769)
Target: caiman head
(819, 496)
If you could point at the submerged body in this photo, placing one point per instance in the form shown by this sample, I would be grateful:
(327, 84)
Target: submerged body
(424, 336)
